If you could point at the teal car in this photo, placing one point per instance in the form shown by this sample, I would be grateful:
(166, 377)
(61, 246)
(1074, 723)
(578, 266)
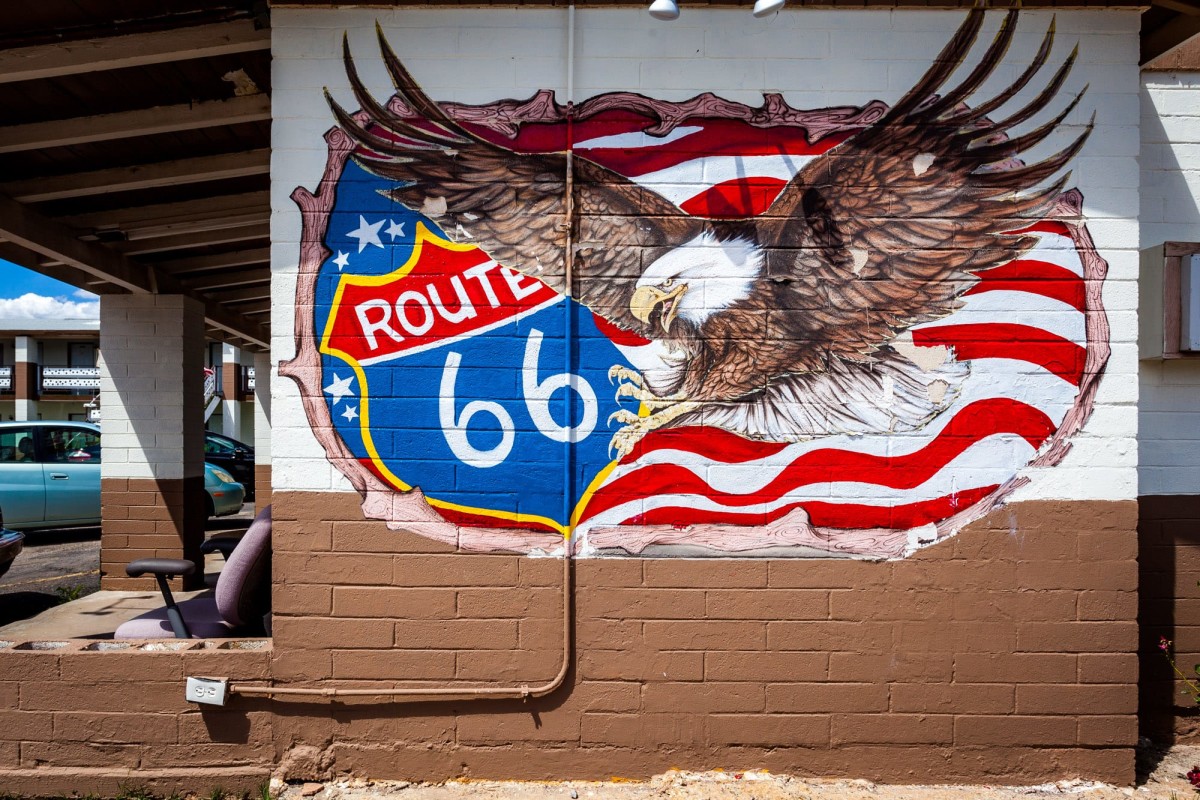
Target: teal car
(50, 476)
(223, 494)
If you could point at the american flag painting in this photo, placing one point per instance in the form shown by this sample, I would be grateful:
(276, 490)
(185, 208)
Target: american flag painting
(679, 339)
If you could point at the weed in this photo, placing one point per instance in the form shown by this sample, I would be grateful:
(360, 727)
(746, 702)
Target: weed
(133, 793)
(217, 793)
(68, 593)
(264, 791)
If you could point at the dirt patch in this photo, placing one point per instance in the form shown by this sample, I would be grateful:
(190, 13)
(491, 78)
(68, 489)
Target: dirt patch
(1164, 778)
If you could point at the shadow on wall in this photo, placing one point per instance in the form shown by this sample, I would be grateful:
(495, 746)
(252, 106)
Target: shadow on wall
(1169, 570)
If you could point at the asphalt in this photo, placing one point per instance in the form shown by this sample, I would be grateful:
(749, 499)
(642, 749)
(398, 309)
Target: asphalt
(61, 565)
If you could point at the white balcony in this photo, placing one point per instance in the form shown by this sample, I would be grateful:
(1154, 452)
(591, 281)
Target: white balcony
(70, 379)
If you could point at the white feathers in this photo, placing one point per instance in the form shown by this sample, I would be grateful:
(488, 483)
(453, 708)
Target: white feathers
(718, 274)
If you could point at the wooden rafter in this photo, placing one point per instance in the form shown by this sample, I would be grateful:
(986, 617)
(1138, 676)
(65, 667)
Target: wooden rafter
(236, 258)
(165, 214)
(26, 228)
(132, 50)
(1168, 36)
(141, 176)
(141, 122)
(227, 280)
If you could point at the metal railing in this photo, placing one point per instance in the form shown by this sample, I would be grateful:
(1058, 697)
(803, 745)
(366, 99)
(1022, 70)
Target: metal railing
(248, 378)
(6, 379)
(70, 379)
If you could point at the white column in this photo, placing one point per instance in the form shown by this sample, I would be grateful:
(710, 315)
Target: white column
(231, 407)
(25, 378)
(262, 429)
(152, 419)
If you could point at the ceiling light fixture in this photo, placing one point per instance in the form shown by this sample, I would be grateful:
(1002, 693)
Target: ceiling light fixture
(664, 9)
(765, 8)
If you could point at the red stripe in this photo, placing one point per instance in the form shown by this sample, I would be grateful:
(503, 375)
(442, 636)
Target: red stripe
(617, 334)
(1004, 340)
(827, 515)
(744, 197)
(974, 423)
(1046, 226)
(711, 444)
(1035, 277)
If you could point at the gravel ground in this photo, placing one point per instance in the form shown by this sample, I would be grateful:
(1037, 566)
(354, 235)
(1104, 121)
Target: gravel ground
(1166, 781)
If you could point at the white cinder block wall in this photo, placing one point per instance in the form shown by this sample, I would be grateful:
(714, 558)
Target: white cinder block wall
(1169, 414)
(816, 58)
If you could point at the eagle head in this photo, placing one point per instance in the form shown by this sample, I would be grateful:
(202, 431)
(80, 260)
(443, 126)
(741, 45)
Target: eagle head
(696, 280)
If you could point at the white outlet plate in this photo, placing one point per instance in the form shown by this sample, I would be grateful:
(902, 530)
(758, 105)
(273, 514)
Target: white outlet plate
(206, 690)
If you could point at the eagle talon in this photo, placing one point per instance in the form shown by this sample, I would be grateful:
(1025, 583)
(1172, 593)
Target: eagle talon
(620, 373)
(623, 416)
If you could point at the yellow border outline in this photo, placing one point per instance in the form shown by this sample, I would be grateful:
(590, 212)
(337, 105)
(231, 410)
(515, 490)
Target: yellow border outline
(423, 237)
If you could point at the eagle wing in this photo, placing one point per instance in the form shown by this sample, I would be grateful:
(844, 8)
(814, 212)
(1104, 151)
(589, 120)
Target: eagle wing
(889, 228)
(514, 205)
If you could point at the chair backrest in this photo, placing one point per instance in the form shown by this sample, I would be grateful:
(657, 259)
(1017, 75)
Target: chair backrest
(244, 587)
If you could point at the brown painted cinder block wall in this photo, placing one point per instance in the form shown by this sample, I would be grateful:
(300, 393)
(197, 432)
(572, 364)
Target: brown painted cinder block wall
(96, 722)
(148, 518)
(1169, 561)
(1005, 654)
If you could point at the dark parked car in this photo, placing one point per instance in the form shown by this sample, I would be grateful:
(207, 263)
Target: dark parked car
(11, 543)
(232, 456)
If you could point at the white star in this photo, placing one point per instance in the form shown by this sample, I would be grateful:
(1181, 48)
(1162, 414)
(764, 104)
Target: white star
(340, 387)
(366, 234)
(342, 260)
(350, 413)
(394, 230)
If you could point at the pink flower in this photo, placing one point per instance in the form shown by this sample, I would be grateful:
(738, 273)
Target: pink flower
(1193, 776)
(1164, 644)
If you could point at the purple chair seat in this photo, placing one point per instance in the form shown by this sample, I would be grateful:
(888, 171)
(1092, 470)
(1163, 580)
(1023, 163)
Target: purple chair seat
(238, 605)
(203, 619)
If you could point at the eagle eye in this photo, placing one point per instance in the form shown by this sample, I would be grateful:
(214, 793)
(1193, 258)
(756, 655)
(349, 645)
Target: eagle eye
(668, 282)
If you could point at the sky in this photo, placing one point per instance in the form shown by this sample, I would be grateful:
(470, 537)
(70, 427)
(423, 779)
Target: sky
(25, 294)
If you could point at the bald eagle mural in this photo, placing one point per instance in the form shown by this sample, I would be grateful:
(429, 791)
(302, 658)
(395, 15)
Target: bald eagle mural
(639, 326)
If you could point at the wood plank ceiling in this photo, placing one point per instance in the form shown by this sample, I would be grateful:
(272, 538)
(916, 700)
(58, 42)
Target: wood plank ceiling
(135, 150)
(135, 142)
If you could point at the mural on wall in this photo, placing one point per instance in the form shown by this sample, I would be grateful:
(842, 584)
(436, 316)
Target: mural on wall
(639, 326)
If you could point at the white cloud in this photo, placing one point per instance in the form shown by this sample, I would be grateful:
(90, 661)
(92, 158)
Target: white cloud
(36, 306)
(84, 294)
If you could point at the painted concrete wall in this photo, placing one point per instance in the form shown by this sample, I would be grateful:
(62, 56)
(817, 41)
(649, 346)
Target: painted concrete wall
(488, 58)
(1169, 452)
(1010, 650)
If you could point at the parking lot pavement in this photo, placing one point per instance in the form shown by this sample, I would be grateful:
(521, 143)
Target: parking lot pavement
(61, 565)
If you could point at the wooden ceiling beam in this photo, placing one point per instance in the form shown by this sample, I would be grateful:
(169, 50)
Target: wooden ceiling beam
(24, 227)
(245, 295)
(117, 220)
(180, 267)
(128, 124)
(188, 241)
(1168, 36)
(32, 260)
(132, 50)
(140, 176)
(229, 222)
(1182, 6)
(227, 280)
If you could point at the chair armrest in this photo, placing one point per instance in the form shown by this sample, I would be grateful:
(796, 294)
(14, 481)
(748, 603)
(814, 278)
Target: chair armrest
(220, 544)
(165, 567)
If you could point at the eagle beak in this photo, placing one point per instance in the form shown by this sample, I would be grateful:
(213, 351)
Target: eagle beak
(647, 298)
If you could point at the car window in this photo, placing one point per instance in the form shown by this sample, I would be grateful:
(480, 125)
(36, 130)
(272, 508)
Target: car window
(217, 447)
(71, 446)
(16, 445)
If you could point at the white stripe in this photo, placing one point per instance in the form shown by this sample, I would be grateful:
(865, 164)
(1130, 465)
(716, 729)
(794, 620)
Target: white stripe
(637, 139)
(688, 179)
(1056, 249)
(1017, 308)
(990, 461)
(990, 378)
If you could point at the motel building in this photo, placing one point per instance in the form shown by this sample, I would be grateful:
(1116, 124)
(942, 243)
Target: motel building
(804, 387)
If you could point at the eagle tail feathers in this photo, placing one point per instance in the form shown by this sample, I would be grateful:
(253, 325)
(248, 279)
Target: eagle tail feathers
(944, 65)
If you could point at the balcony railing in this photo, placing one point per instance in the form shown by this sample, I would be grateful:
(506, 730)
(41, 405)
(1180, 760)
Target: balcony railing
(70, 379)
(6, 379)
(248, 377)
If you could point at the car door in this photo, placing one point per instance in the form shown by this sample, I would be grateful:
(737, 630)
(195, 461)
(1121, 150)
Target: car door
(22, 487)
(71, 462)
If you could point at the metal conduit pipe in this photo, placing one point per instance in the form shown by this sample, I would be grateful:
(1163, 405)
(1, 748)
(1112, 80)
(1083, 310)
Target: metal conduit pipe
(568, 582)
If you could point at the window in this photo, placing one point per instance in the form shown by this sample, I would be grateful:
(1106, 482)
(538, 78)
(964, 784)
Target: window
(16, 445)
(71, 446)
